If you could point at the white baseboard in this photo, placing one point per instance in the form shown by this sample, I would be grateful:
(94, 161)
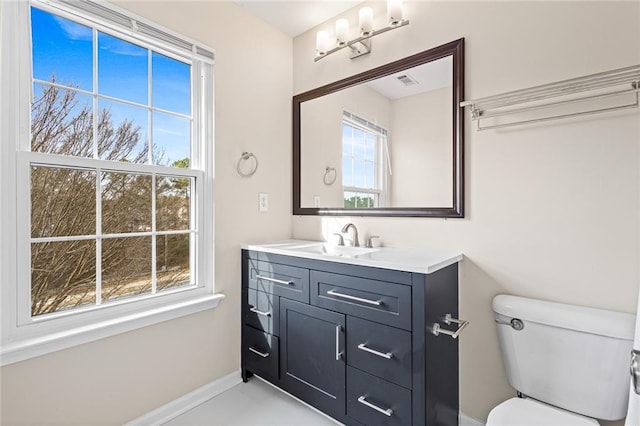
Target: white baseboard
(186, 402)
(465, 420)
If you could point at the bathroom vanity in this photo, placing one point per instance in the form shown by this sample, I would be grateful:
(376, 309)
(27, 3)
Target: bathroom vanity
(350, 330)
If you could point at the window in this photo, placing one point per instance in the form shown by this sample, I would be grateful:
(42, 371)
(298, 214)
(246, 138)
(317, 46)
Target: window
(114, 175)
(363, 159)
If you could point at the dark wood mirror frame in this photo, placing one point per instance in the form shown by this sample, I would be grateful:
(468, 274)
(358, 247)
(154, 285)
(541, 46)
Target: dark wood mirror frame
(454, 49)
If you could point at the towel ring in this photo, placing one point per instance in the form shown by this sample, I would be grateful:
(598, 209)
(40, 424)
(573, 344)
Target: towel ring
(330, 175)
(244, 157)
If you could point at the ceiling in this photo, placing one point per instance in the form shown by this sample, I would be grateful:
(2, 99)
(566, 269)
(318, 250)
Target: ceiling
(430, 76)
(295, 17)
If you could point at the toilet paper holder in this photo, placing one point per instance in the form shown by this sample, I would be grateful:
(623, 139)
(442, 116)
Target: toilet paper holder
(436, 329)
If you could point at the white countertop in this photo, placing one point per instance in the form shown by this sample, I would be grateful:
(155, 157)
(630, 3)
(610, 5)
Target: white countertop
(424, 261)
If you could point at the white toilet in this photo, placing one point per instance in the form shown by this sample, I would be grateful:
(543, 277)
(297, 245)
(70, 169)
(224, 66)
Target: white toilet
(569, 363)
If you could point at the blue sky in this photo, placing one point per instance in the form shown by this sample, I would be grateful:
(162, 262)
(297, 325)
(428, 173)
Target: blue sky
(65, 49)
(358, 157)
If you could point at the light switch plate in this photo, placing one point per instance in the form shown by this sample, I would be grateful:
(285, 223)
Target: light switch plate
(263, 200)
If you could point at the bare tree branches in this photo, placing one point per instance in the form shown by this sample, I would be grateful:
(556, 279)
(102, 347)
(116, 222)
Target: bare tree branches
(63, 203)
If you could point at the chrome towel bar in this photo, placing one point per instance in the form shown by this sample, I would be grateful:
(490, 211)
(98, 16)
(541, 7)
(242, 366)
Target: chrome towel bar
(615, 83)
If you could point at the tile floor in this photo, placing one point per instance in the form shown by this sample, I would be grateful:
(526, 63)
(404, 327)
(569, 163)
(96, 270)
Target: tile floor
(254, 403)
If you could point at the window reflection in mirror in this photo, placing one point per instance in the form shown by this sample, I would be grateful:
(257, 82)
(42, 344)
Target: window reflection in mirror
(363, 160)
(391, 137)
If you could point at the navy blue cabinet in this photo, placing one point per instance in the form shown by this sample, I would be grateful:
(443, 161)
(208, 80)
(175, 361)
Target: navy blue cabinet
(312, 365)
(352, 341)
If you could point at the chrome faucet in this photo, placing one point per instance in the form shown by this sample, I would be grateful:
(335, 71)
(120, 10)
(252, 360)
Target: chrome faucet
(346, 228)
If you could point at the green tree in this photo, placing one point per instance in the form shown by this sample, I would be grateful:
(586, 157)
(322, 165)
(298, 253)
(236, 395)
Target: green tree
(358, 202)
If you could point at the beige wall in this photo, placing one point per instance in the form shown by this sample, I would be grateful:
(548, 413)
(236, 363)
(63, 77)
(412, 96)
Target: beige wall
(114, 380)
(421, 150)
(551, 210)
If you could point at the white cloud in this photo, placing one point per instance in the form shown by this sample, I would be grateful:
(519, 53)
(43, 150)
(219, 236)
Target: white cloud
(122, 48)
(72, 30)
(170, 132)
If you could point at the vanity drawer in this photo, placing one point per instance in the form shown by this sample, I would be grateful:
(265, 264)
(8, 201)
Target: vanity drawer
(373, 401)
(282, 280)
(262, 311)
(261, 352)
(380, 350)
(380, 301)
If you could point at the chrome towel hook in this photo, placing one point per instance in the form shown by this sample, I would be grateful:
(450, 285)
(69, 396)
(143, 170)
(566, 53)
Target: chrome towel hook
(244, 157)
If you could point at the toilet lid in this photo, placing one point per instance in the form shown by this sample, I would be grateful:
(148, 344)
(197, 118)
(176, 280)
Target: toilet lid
(528, 412)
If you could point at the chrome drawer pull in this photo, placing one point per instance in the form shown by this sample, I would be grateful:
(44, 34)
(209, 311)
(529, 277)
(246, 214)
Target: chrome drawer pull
(338, 353)
(257, 352)
(436, 329)
(362, 346)
(388, 412)
(274, 280)
(266, 314)
(354, 298)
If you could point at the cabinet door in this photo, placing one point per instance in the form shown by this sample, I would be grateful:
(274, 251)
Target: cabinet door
(312, 365)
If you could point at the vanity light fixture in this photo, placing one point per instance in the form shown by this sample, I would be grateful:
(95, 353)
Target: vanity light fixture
(342, 31)
(361, 45)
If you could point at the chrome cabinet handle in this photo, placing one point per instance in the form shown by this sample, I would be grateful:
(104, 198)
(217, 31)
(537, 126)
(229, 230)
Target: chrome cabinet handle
(257, 352)
(635, 370)
(266, 314)
(338, 352)
(274, 280)
(354, 298)
(436, 329)
(387, 355)
(387, 412)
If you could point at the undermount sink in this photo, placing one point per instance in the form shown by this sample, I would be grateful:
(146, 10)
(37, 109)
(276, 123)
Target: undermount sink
(333, 250)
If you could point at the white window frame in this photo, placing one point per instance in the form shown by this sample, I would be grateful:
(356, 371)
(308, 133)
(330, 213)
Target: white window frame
(381, 175)
(23, 336)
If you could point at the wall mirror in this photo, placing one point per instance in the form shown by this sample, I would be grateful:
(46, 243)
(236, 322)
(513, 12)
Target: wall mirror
(386, 142)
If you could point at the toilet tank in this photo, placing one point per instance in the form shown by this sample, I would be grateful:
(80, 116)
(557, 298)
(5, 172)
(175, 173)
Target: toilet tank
(573, 357)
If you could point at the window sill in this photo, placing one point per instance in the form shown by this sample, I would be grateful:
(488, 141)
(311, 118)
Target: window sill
(13, 352)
